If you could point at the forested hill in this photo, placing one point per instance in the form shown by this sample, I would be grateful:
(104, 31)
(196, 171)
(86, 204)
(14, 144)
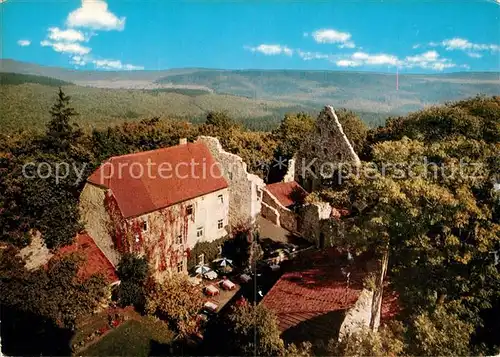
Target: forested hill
(359, 91)
(25, 101)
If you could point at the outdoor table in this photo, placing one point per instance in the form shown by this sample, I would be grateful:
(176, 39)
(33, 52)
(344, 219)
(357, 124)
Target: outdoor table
(228, 285)
(211, 290)
(210, 306)
(245, 278)
(275, 267)
(211, 275)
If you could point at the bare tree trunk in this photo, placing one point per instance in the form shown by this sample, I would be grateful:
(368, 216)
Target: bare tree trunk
(379, 290)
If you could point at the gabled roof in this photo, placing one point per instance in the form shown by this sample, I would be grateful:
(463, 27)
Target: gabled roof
(307, 297)
(169, 176)
(312, 296)
(95, 260)
(287, 193)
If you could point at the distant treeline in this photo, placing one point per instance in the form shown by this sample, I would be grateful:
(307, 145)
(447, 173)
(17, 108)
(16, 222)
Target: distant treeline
(17, 78)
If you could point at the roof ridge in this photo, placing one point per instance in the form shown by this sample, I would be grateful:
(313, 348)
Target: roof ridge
(140, 153)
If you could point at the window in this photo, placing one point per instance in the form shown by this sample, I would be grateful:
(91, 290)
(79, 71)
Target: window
(180, 266)
(189, 210)
(339, 156)
(220, 224)
(178, 240)
(325, 151)
(220, 198)
(199, 232)
(313, 148)
(145, 226)
(259, 194)
(230, 175)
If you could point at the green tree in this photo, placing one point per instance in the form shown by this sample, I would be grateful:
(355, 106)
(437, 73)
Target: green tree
(354, 128)
(387, 341)
(61, 132)
(429, 205)
(133, 272)
(253, 331)
(55, 293)
(175, 300)
(291, 133)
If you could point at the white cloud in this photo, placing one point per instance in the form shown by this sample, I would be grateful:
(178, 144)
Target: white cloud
(306, 55)
(69, 35)
(66, 47)
(24, 43)
(428, 60)
(347, 63)
(474, 54)
(271, 50)
(94, 14)
(78, 60)
(343, 39)
(462, 44)
(115, 65)
(377, 59)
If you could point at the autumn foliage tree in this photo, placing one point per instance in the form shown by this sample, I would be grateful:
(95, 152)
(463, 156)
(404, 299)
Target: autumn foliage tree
(428, 197)
(175, 300)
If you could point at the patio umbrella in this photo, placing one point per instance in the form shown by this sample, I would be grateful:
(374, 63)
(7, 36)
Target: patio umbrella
(223, 262)
(202, 269)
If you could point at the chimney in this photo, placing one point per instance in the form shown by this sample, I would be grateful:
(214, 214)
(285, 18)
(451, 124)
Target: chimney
(183, 141)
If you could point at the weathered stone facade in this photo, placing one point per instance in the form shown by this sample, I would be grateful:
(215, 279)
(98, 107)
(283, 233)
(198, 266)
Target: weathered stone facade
(323, 152)
(311, 223)
(277, 213)
(245, 189)
(164, 236)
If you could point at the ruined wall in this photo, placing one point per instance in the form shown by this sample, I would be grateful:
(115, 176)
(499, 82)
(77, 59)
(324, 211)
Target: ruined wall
(290, 171)
(97, 220)
(245, 189)
(310, 224)
(359, 315)
(286, 218)
(165, 237)
(270, 213)
(323, 152)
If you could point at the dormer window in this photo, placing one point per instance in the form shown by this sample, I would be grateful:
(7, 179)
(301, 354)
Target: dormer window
(189, 210)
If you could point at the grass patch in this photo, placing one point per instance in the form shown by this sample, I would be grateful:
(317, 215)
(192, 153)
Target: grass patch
(145, 337)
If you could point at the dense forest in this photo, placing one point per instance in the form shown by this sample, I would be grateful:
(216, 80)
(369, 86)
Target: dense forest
(439, 231)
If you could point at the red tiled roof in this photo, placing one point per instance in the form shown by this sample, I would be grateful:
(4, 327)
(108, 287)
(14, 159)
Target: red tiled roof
(95, 260)
(170, 175)
(307, 293)
(287, 193)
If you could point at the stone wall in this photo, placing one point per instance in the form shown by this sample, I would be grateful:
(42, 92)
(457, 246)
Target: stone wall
(97, 220)
(358, 316)
(245, 189)
(290, 171)
(285, 217)
(323, 152)
(270, 213)
(310, 224)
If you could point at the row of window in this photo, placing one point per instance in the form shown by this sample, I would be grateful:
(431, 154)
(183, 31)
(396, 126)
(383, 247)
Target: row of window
(199, 231)
(189, 208)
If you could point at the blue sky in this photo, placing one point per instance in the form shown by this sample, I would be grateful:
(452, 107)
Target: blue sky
(413, 36)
